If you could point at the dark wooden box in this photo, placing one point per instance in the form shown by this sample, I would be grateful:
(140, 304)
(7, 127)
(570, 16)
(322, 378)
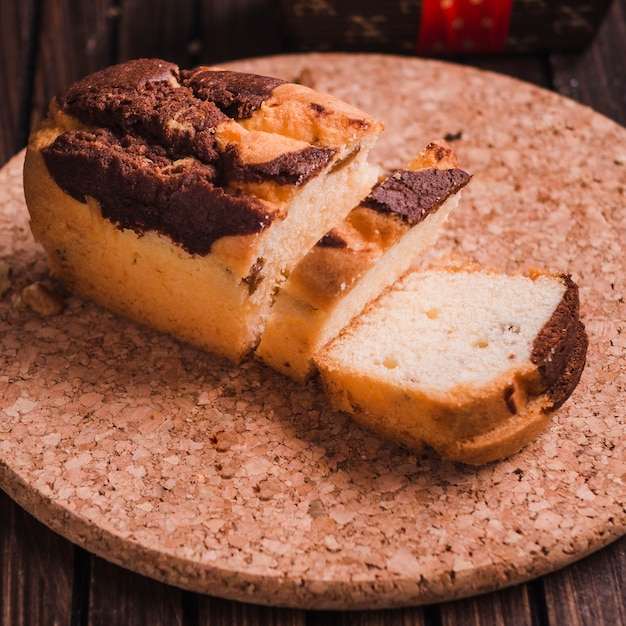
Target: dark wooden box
(441, 27)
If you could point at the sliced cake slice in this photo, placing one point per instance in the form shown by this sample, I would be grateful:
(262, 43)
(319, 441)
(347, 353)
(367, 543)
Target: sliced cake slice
(469, 362)
(377, 242)
(181, 199)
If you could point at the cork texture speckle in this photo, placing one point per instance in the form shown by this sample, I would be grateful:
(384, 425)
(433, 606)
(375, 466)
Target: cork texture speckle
(236, 482)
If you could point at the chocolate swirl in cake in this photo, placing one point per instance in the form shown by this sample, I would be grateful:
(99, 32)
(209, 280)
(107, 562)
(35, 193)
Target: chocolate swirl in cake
(560, 348)
(292, 168)
(413, 194)
(140, 188)
(237, 94)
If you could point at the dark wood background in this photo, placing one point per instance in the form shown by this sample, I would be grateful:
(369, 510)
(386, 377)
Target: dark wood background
(47, 44)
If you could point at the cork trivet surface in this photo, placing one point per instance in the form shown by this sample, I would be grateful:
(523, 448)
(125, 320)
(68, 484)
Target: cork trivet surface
(236, 482)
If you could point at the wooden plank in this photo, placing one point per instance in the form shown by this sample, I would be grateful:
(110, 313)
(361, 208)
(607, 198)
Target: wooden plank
(158, 28)
(74, 40)
(218, 612)
(238, 29)
(591, 591)
(35, 570)
(597, 77)
(17, 20)
(118, 596)
(510, 607)
(412, 616)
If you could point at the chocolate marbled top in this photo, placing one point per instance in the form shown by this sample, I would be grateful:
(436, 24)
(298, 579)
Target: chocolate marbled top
(237, 94)
(413, 194)
(149, 153)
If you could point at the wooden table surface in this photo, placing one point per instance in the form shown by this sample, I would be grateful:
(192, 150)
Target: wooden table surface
(44, 579)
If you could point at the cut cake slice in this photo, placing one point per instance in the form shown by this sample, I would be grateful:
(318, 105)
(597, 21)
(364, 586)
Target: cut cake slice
(469, 362)
(376, 244)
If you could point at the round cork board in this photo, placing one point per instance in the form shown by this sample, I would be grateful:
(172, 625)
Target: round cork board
(238, 483)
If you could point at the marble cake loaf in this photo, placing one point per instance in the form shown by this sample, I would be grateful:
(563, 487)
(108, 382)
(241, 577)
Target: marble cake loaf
(240, 213)
(182, 198)
(379, 240)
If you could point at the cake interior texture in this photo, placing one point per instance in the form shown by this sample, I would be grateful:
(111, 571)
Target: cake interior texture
(440, 331)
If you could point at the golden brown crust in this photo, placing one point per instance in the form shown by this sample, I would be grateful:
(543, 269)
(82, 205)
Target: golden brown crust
(317, 118)
(146, 279)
